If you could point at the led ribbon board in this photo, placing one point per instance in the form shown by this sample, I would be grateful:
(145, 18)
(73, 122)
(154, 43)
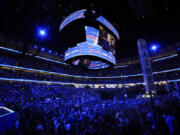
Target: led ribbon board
(85, 49)
(93, 64)
(74, 16)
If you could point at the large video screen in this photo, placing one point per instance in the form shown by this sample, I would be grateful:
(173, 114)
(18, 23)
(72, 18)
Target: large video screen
(98, 49)
(106, 40)
(108, 25)
(101, 38)
(85, 49)
(99, 44)
(92, 35)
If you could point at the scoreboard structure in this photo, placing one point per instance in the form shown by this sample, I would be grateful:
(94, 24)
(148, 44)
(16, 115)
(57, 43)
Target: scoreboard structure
(98, 50)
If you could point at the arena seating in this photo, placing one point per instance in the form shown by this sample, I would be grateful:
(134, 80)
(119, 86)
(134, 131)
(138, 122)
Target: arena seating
(48, 108)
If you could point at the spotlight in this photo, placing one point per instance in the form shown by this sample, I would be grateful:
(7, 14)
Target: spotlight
(49, 51)
(154, 47)
(43, 49)
(42, 32)
(35, 46)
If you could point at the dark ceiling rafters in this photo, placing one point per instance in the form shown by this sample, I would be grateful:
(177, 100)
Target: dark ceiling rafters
(151, 19)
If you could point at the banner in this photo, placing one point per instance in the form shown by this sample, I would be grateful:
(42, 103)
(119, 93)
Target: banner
(146, 66)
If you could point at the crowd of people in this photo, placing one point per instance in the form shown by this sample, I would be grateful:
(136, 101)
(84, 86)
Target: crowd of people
(51, 109)
(46, 109)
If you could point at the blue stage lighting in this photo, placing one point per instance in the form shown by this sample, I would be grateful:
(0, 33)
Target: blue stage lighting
(35, 46)
(154, 47)
(42, 32)
(43, 49)
(49, 51)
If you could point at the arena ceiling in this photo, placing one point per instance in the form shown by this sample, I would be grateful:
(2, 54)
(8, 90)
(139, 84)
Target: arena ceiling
(156, 20)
